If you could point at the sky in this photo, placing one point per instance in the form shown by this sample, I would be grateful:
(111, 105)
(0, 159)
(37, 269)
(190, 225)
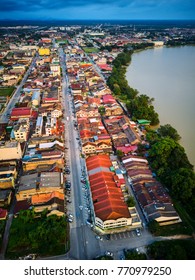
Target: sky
(97, 9)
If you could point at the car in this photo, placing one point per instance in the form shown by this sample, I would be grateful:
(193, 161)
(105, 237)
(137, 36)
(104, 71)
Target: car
(108, 236)
(108, 253)
(70, 220)
(89, 224)
(99, 237)
(70, 215)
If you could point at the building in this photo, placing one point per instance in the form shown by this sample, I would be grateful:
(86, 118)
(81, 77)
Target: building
(44, 51)
(55, 69)
(110, 210)
(39, 183)
(51, 126)
(36, 98)
(39, 126)
(21, 130)
(10, 150)
(23, 112)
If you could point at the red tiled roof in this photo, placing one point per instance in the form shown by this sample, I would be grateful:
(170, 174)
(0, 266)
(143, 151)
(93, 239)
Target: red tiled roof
(97, 161)
(107, 196)
(45, 197)
(127, 149)
(108, 98)
(105, 67)
(22, 111)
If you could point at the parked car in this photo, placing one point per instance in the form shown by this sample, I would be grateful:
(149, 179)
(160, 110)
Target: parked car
(108, 236)
(138, 232)
(108, 253)
(99, 237)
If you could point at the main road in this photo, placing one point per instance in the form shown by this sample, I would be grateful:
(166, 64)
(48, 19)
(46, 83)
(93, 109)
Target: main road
(81, 236)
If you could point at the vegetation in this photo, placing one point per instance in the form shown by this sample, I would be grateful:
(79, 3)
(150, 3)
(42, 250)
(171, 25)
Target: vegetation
(130, 201)
(104, 258)
(134, 255)
(41, 235)
(172, 250)
(119, 154)
(2, 228)
(90, 50)
(102, 110)
(139, 106)
(7, 91)
(171, 165)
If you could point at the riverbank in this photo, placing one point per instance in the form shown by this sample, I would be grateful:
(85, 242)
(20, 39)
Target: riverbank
(171, 85)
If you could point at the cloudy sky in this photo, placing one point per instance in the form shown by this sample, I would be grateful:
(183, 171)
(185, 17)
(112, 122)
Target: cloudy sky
(97, 9)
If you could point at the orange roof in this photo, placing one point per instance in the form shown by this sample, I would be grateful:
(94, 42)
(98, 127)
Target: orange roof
(41, 198)
(107, 196)
(93, 162)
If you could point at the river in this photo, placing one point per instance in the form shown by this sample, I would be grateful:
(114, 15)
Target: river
(168, 75)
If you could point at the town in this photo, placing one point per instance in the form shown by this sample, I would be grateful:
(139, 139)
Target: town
(69, 148)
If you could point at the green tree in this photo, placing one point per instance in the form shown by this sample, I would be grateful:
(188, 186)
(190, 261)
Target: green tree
(168, 130)
(182, 183)
(131, 201)
(120, 154)
(102, 110)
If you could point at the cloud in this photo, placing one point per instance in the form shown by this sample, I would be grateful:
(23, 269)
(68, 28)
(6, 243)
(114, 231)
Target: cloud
(97, 8)
(27, 5)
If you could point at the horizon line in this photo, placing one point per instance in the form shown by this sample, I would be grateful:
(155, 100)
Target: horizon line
(97, 19)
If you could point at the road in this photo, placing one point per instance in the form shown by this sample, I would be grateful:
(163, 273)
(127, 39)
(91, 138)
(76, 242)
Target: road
(81, 236)
(15, 97)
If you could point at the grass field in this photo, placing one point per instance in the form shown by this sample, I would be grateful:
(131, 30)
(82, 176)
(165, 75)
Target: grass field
(90, 50)
(7, 91)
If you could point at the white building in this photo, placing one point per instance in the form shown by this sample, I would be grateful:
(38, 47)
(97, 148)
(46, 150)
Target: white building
(21, 130)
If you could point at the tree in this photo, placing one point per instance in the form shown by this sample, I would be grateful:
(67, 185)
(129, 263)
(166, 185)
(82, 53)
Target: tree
(168, 130)
(102, 110)
(160, 152)
(183, 184)
(154, 227)
(130, 202)
(120, 154)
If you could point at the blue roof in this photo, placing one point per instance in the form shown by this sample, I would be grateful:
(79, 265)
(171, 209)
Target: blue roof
(36, 95)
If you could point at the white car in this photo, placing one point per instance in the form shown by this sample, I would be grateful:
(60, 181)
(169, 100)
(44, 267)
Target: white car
(138, 232)
(99, 237)
(108, 253)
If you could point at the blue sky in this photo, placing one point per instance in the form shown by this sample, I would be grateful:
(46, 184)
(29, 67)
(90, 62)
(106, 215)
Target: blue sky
(97, 9)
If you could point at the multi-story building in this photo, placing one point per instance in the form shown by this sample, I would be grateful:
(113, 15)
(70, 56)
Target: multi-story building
(21, 130)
